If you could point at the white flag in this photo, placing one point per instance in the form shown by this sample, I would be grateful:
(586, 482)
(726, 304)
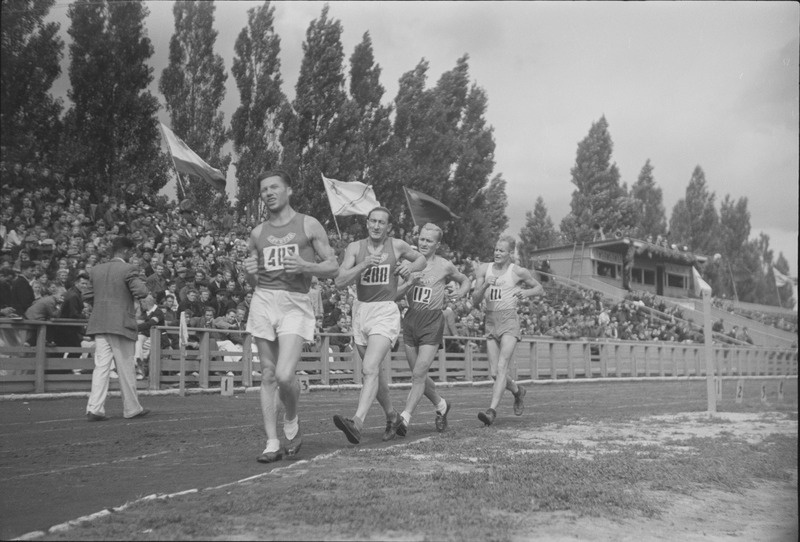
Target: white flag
(347, 199)
(186, 160)
(700, 286)
(780, 278)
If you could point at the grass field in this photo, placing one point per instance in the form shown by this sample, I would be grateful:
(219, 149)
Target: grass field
(589, 461)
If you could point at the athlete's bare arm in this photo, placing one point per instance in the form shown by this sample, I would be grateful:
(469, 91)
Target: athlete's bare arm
(412, 260)
(251, 262)
(328, 267)
(349, 271)
(524, 276)
(459, 277)
(404, 285)
(480, 284)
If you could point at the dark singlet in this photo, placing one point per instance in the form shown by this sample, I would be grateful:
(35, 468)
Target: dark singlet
(377, 283)
(273, 244)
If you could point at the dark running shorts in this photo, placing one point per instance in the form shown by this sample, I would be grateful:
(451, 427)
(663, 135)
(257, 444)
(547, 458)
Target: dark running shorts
(423, 327)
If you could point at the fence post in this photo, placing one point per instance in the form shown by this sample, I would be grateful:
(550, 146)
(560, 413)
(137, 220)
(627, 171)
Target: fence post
(442, 365)
(570, 366)
(587, 359)
(553, 369)
(324, 357)
(205, 360)
(247, 361)
(468, 359)
(603, 353)
(154, 365)
(41, 343)
(357, 376)
(534, 360)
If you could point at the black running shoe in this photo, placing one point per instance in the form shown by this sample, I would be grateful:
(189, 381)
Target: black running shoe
(389, 433)
(293, 445)
(270, 457)
(488, 416)
(519, 406)
(400, 427)
(441, 419)
(348, 427)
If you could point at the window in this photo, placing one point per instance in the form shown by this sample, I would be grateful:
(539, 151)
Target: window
(676, 281)
(607, 270)
(649, 277)
(636, 275)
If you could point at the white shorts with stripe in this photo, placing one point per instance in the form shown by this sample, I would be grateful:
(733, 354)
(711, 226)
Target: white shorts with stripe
(277, 312)
(376, 318)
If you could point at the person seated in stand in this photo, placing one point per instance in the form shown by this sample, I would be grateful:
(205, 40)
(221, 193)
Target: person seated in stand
(152, 315)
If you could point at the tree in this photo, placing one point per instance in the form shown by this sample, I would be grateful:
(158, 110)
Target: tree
(786, 291)
(111, 138)
(538, 232)
(254, 126)
(30, 58)
(193, 85)
(694, 217)
(652, 221)
(599, 199)
(317, 126)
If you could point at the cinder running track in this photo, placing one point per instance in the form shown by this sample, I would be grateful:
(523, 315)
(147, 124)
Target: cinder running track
(55, 466)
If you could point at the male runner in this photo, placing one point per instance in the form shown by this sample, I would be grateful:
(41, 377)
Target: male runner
(283, 253)
(501, 284)
(374, 264)
(423, 324)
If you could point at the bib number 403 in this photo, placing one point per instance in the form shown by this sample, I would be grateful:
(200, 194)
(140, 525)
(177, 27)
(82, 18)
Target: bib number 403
(275, 255)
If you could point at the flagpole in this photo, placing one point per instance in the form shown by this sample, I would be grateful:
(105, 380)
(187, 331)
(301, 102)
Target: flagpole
(410, 210)
(174, 165)
(777, 291)
(331, 206)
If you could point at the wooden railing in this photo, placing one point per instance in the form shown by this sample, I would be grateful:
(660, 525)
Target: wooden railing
(40, 368)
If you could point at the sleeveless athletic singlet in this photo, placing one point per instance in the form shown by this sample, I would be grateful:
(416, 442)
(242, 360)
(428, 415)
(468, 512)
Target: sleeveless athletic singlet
(377, 283)
(501, 296)
(428, 294)
(276, 242)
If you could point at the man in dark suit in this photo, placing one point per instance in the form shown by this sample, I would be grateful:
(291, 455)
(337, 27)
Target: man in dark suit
(21, 290)
(72, 309)
(114, 285)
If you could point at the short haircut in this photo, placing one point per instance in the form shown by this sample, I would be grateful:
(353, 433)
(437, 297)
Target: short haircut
(433, 227)
(510, 241)
(83, 275)
(284, 175)
(384, 209)
(121, 243)
(27, 264)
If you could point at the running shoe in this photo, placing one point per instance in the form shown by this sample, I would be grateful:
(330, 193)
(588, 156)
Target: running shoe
(348, 427)
(400, 427)
(389, 433)
(293, 445)
(270, 457)
(519, 405)
(441, 419)
(487, 417)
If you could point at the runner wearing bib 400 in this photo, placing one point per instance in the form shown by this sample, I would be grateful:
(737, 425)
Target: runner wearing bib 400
(374, 264)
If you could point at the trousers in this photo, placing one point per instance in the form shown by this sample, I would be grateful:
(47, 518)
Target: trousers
(114, 348)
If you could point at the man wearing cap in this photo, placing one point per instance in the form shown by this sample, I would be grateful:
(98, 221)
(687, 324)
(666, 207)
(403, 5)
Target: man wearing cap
(284, 251)
(112, 290)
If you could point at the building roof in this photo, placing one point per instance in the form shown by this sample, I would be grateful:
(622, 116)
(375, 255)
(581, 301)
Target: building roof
(621, 245)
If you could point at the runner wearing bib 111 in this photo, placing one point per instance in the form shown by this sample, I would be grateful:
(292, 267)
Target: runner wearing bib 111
(374, 265)
(285, 252)
(423, 324)
(501, 284)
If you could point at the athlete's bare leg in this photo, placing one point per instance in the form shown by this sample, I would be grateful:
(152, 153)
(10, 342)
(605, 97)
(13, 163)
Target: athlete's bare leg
(420, 360)
(373, 384)
(499, 357)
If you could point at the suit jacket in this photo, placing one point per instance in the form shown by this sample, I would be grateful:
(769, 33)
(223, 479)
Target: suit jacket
(71, 308)
(21, 294)
(113, 287)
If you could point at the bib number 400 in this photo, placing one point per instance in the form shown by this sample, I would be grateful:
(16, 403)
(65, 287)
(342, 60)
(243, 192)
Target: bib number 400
(274, 256)
(377, 274)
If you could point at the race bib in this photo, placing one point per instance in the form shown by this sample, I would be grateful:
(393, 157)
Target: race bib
(495, 293)
(274, 255)
(422, 294)
(376, 275)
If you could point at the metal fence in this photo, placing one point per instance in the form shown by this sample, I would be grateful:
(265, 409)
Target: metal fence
(40, 367)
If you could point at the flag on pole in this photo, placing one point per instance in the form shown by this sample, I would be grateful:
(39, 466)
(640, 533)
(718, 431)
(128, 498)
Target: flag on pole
(700, 286)
(186, 160)
(426, 209)
(780, 278)
(352, 198)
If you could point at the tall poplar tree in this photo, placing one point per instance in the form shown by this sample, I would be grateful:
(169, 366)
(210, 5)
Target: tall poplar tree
(193, 85)
(652, 220)
(538, 232)
(30, 56)
(317, 125)
(254, 126)
(599, 199)
(694, 218)
(111, 132)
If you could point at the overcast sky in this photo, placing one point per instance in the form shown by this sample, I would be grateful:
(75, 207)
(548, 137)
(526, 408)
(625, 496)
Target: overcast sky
(683, 84)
